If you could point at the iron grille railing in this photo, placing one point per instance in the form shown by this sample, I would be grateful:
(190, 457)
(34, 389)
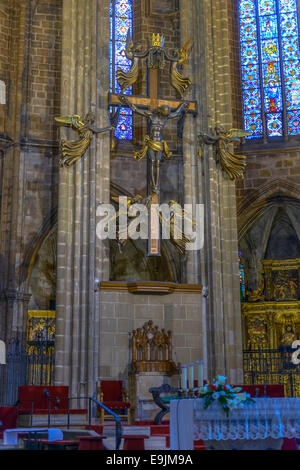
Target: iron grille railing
(30, 364)
(270, 367)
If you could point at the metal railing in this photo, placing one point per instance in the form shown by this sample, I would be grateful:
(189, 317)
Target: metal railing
(33, 405)
(117, 420)
(29, 364)
(272, 367)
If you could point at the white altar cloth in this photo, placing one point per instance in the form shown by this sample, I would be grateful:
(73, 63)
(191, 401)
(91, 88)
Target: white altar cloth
(267, 418)
(10, 436)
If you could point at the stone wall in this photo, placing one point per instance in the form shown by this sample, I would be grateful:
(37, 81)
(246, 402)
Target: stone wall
(121, 312)
(30, 66)
(44, 30)
(265, 167)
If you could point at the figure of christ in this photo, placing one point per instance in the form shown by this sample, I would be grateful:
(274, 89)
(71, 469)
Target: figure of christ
(155, 146)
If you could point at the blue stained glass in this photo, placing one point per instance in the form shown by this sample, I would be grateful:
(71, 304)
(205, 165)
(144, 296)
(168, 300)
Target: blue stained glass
(266, 7)
(293, 118)
(124, 126)
(271, 73)
(274, 124)
(121, 58)
(248, 28)
(287, 5)
(250, 76)
(249, 52)
(247, 7)
(122, 27)
(268, 27)
(253, 124)
(292, 95)
(124, 8)
(270, 49)
(251, 99)
(273, 99)
(291, 70)
(295, 94)
(288, 24)
(276, 20)
(290, 47)
(120, 24)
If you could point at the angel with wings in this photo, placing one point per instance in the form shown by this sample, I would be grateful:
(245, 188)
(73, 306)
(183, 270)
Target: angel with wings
(73, 150)
(232, 164)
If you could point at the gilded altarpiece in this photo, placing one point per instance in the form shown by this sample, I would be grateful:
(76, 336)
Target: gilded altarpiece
(40, 347)
(271, 323)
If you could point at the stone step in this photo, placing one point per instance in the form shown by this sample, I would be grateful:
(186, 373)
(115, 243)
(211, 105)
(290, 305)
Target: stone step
(57, 420)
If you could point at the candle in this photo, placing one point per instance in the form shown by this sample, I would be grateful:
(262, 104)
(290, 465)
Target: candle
(201, 374)
(198, 374)
(184, 378)
(180, 375)
(191, 376)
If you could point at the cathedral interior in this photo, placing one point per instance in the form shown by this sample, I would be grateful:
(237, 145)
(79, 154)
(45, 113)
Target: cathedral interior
(228, 70)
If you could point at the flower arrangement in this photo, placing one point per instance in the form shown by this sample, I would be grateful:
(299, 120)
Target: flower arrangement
(227, 396)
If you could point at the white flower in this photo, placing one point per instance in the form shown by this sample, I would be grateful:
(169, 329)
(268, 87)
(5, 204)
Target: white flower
(221, 379)
(216, 395)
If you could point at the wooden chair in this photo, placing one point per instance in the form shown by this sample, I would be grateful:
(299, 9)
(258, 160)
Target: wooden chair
(114, 396)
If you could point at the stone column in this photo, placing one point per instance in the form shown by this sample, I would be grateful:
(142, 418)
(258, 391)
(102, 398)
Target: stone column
(81, 257)
(13, 300)
(208, 24)
(190, 160)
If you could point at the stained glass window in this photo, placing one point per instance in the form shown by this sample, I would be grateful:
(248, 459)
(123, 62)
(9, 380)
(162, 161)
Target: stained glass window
(242, 277)
(120, 23)
(270, 59)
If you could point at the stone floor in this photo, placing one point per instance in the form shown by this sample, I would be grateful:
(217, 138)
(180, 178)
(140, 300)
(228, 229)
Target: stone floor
(152, 443)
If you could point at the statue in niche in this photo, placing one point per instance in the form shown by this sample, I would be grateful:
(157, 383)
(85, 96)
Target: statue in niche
(257, 332)
(288, 335)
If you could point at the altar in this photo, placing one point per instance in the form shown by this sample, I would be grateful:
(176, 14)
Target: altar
(260, 426)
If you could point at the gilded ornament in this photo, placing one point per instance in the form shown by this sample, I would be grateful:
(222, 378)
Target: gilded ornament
(233, 165)
(71, 151)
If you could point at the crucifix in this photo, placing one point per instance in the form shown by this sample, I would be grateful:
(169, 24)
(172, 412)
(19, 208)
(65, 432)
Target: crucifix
(158, 112)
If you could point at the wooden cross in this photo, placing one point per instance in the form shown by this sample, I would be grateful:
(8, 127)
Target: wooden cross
(151, 102)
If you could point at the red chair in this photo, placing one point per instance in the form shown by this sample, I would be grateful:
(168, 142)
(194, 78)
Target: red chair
(114, 396)
(8, 418)
(257, 391)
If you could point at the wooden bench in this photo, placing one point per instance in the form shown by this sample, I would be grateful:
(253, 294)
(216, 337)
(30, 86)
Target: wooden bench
(59, 445)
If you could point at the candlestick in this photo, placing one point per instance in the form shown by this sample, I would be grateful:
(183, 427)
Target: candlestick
(185, 378)
(201, 375)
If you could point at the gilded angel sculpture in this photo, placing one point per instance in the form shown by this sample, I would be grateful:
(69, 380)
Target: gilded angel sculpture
(178, 81)
(72, 151)
(234, 165)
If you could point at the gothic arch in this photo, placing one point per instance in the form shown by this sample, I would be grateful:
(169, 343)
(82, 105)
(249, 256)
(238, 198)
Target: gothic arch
(273, 205)
(34, 247)
(250, 208)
